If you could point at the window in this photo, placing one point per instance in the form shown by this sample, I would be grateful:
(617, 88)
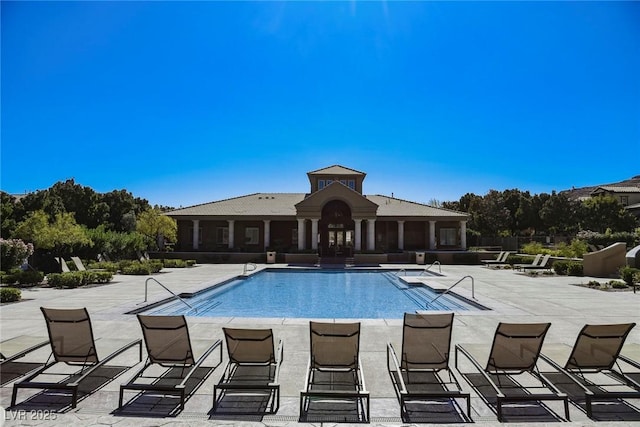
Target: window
(252, 235)
(351, 184)
(448, 237)
(222, 235)
(321, 184)
(624, 200)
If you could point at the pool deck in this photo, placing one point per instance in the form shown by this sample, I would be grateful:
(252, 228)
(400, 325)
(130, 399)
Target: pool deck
(512, 297)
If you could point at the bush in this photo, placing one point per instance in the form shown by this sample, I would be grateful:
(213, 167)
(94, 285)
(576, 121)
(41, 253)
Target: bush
(175, 263)
(111, 267)
(10, 294)
(66, 280)
(575, 269)
(13, 252)
(102, 276)
(616, 284)
(191, 262)
(30, 277)
(628, 274)
(560, 267)
(137, 268)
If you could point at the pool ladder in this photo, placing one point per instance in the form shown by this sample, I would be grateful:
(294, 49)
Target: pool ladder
(146, 283)
(423, 272)
(473, 292)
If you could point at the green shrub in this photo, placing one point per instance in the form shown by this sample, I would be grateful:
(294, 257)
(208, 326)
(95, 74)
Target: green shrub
(10, 294)
(30, 277)
(616, 284)
(628, 274)
(575, 268)
(191, 262)
(111, 267)
(155, 265)
(175, 263)
(519, 259)
(66, 280)
(560, 267)
(138, 268)
(102, 276)
(8, 278)
(532, 248)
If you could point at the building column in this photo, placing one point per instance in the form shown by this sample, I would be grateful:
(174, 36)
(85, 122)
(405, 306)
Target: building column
(358, 236)
(371, 234)
(267, 233)
(314, 233)
(401, 235)
(196, 233)
(231, 234)
(463, 235)
(432, 235)
(301, 232)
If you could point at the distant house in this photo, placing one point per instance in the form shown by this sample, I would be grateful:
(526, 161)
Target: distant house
(628, 196)
(334, 219)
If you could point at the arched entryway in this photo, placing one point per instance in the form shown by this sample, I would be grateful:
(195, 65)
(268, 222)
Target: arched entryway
(336, 229)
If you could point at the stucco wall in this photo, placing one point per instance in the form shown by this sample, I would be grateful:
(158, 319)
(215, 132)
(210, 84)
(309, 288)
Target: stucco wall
(606, 262)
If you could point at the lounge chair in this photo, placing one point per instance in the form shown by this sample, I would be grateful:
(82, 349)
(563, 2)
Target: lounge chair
(535, 261)
(334, 371)
(500, 259)
(63, 265)
(11, 367)
(515, 351)
(542, 265)
(418, 376)
(168, 346)
(252, 371)
(592, 359)
(72, 343)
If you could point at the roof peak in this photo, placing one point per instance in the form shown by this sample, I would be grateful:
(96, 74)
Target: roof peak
(337, 170)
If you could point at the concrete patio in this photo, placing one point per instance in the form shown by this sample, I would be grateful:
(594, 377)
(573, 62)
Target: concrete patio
(511, 296)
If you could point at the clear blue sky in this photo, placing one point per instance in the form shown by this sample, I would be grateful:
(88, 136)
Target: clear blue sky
(185, 103)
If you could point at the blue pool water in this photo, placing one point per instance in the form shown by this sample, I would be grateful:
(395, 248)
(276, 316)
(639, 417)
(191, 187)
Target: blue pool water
(314, 294)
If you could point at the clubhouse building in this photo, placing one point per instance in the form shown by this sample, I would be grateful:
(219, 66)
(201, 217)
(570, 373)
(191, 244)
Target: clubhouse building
(335, 219)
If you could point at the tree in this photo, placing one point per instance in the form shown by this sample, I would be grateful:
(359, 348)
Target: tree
(157, 227)
(59, 236)
(605, 212)
(559, 214)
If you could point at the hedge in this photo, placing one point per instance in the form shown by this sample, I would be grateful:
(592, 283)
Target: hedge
(28, 277)
(10, 294)
(75, 279)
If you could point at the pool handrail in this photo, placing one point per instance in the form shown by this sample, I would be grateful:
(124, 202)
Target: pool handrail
(432, 264)
(168, 290)
(473, 292)
(245, 271)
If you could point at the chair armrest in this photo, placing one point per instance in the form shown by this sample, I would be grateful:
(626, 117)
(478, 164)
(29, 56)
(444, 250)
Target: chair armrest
(392, 357)
(474, 362)
(567, 373)
(200, 361)
(279, 359)
(108, 358)
(24, 352)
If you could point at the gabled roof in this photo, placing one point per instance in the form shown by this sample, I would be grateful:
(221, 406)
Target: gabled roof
(265, 205)
(336, 170)
(614, 189)
(258, 204)
(392, 207)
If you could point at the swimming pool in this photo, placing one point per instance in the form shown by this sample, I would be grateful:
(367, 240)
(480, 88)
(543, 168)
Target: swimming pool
(314, 294)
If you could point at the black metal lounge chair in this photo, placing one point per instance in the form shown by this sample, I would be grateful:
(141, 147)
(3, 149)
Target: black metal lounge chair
(168, 345)
(252, 371)
(594, 354)
(334, 372)
(515, 351)
(542, 265)
(10, 366)
(72, 343)
(418, 376)
(499, 260)
(535, 262)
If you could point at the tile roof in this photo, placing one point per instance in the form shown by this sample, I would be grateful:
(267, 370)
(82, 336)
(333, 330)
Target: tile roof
(283, 204)
(335, 170)
(615, 189)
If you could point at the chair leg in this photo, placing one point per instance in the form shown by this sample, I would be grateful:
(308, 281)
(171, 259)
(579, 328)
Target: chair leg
(14, 395)
(74, 397)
